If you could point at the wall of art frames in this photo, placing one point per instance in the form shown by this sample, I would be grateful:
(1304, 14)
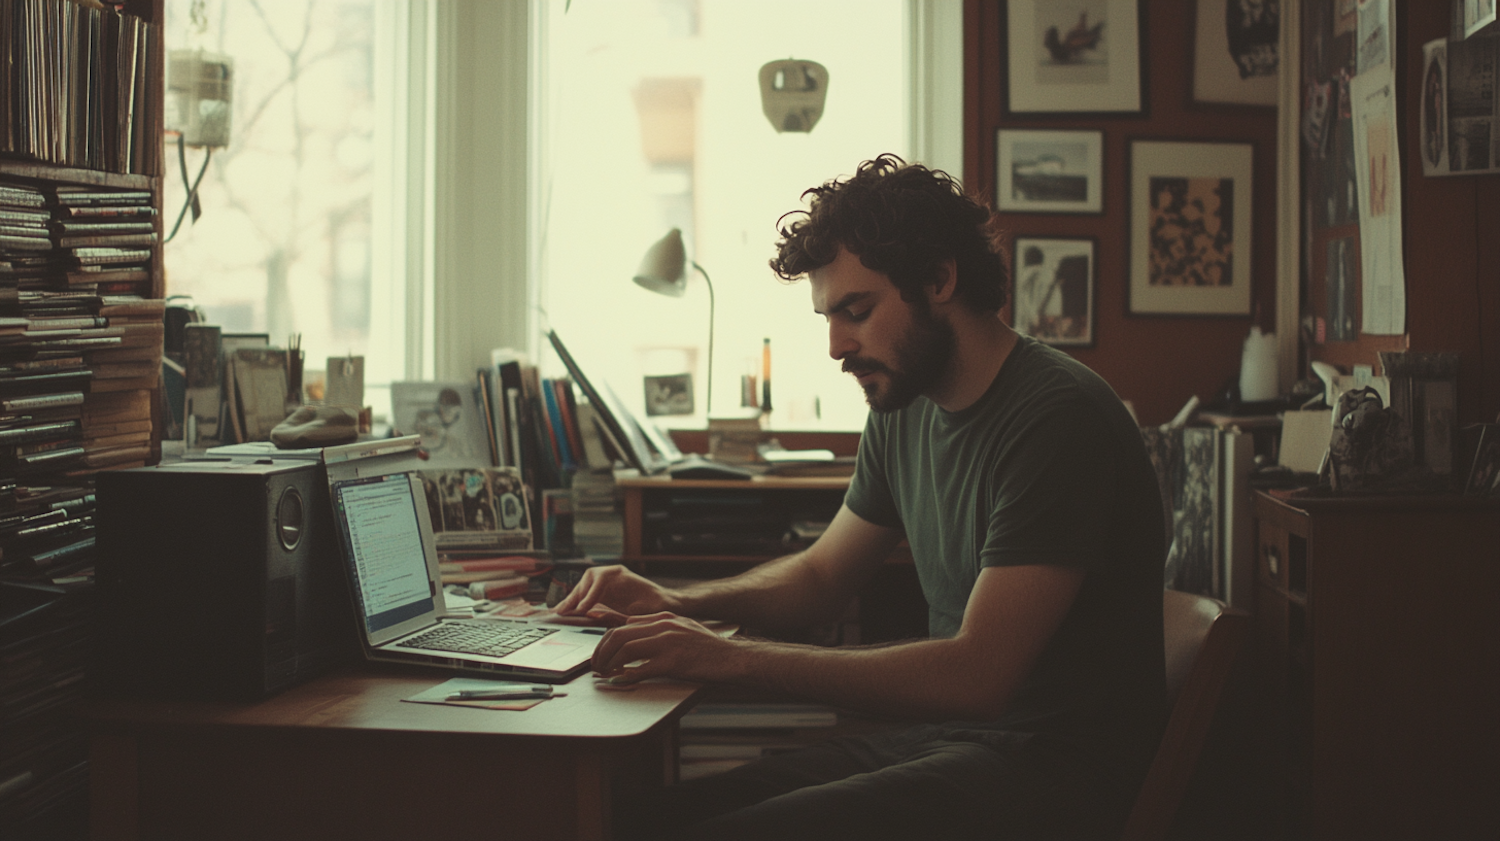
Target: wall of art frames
(1130, 148)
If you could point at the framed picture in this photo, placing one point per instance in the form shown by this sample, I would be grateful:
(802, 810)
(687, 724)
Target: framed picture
(1484, 474)
(1189, 228)
(1054, 290)
(1235, 57)
(1049, 171)
(1082, 57)
(670, 394)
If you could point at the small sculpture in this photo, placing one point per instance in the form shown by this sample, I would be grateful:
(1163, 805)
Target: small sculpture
(1371, 444)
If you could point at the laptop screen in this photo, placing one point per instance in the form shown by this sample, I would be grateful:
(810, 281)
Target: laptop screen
(383, 542)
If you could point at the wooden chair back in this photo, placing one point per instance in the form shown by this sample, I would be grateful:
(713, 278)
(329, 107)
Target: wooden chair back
(1203, 639)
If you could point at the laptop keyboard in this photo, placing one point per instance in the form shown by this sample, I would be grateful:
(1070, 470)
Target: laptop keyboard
(484, 638)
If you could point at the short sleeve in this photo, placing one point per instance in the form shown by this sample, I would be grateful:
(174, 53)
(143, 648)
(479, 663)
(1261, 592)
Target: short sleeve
(869, 494)
(1051, 501)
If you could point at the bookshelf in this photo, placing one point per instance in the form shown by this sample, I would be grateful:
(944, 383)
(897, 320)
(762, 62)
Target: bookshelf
(80, 113)
(81, 277)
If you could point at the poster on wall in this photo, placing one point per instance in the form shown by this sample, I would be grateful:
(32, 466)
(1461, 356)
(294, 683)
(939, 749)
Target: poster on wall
(1460, 108)
(1235, 56)
(1378, 166)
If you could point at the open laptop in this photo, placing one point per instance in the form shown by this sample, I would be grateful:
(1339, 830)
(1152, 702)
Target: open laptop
(391, 560)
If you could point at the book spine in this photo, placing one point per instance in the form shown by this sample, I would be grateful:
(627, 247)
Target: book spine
(16, 435)
(556, 429)
(482, 400)
(107, 240)
(569, 406)
(498, 589)
(67, 552)
(515, 563)
(42, 401)
(107, 211)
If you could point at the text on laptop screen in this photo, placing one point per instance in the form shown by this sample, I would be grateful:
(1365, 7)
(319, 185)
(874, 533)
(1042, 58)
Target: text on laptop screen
(385, 545)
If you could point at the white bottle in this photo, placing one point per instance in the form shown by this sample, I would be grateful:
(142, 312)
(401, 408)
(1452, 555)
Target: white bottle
(1258, 367)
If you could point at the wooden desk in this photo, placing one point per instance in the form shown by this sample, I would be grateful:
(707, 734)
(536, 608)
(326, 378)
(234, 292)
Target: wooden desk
(344, 757)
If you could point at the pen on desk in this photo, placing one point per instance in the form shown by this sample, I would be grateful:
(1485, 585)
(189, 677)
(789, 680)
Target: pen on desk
(540, 691)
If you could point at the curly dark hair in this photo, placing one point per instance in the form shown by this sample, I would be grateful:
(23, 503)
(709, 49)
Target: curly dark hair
(902, 220)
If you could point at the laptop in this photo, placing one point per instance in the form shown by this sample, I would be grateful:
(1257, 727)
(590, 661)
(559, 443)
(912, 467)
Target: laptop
(391, 560)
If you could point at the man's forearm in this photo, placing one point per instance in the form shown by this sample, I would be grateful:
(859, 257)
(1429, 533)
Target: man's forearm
(926, 679)
(783, 593)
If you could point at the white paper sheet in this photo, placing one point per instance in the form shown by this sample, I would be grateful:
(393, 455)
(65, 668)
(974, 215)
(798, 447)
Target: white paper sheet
(1377, 164)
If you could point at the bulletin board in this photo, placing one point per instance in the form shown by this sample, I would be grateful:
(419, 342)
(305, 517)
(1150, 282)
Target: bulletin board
(1332, 279)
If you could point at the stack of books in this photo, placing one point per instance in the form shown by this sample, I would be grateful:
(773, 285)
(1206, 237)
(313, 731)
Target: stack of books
(75, 239)
(598, 519)
(43, 751)
(80, 353)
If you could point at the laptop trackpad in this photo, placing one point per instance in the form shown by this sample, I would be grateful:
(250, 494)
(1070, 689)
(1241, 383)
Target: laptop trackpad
(547, 652)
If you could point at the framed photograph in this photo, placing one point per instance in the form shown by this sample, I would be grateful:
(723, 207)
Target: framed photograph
(1054, 290)
(670, 394)
(1049, 171)
(1235, 56)
(1189, 228)
(1484, 475)
(1082, 57)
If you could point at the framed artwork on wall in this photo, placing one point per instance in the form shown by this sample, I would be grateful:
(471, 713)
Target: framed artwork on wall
(1049, 171)
(1054, 290)
(1189, 227)
(1235, 56)
(1082, 57)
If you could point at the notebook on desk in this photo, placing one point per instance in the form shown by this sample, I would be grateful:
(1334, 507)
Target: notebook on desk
(391, 560)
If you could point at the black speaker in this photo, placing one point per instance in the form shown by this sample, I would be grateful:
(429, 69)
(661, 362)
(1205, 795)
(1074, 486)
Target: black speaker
(219, 579)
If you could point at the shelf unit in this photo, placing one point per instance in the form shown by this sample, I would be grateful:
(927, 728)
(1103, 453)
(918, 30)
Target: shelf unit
(1376, 642)
(49, 619)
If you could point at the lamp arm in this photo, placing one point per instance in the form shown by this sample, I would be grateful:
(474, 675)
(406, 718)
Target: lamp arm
(708, 400)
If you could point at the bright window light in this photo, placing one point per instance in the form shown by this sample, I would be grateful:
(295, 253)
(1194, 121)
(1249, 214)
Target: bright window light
(284, 243)
(651, 119)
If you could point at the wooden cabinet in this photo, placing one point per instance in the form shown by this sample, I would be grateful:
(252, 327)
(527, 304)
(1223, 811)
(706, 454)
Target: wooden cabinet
(740, 520)
(1378, 663)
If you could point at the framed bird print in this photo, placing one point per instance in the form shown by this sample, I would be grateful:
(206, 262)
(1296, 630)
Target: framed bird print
(1080, 57)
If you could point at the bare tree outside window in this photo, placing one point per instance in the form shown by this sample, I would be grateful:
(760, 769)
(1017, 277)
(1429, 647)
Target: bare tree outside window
(283, 243)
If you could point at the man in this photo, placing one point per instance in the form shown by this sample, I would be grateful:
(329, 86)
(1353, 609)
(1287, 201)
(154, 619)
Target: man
(1032, 511)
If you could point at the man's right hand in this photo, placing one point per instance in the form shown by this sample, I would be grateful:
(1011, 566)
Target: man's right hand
(619, 589)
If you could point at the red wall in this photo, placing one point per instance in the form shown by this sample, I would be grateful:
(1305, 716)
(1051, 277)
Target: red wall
(1452, 239)
(1451, 234)
(1157, 363)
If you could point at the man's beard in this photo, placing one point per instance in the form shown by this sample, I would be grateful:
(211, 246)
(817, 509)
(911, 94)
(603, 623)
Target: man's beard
(922, 354)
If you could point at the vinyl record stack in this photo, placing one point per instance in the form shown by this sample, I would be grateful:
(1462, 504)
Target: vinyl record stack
(80, 85)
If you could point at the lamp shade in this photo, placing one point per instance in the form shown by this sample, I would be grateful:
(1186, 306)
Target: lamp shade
(664, 268)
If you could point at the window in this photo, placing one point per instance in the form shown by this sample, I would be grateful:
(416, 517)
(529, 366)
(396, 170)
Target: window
(418, 182)
(285, 244)
(652, 119)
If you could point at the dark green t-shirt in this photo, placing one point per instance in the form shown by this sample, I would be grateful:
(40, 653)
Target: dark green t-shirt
(1047, 467)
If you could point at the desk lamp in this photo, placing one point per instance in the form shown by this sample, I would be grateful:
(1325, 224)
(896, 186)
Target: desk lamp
(664, 270)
